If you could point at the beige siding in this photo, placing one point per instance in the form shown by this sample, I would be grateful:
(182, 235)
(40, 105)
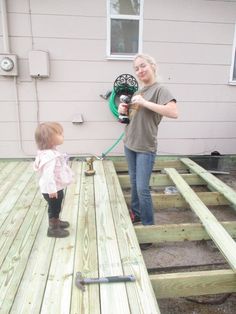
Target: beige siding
(196, 10)
(191, 41)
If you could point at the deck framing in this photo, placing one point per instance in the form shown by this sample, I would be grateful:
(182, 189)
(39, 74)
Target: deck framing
(172, 172)
(37, 273)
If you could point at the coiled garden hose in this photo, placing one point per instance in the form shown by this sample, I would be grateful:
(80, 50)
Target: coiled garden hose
(114, 109)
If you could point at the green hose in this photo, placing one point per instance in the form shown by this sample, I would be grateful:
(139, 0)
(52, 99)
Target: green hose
(112, 99)
(110, 149)
(112, 104)
(114, 110)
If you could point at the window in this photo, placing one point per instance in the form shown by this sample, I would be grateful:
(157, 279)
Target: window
(124, 28)
(233, 65)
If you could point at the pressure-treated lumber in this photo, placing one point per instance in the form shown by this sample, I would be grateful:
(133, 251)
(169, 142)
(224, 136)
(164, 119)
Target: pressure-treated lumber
(141, 296)
(163, 201)
(15, 262)
(216, 231)
(37, 273)
(35, 276)
(13, 186)
(160, 164)
(7, 172)
(178, 232)
(160, 179)
(15, 218)
(212, 180)
(62, 262)
(193, 283)
(108, 249)
(86, 256)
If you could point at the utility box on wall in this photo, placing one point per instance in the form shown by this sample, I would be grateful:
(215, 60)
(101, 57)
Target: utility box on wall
(8, 65)
(39, 63)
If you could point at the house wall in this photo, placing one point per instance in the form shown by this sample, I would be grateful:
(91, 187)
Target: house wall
(190, 39)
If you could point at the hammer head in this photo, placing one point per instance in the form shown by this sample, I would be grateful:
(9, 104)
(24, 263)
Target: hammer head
(79, 281)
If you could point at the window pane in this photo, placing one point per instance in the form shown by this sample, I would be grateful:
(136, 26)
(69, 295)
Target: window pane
(130, 7)
(124, 36)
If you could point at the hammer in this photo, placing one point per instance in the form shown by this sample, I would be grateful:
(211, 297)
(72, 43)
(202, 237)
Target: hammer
(80, 281)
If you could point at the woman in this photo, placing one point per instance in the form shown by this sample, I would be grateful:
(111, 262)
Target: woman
(148, 106)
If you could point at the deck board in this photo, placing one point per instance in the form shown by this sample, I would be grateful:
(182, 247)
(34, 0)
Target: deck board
(86, 259)
(38, 273)
(140, 294)
(108, 249)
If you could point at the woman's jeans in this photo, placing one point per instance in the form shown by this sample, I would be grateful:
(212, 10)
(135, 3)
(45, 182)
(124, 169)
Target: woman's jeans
(140, 167)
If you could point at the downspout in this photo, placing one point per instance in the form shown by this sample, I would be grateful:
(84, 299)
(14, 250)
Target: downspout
(5, 34)
(7, 50)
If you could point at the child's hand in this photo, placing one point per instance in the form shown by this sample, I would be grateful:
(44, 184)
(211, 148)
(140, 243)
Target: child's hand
(53, 195)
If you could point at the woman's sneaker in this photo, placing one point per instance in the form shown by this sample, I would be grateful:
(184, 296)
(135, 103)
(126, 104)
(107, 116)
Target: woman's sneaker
(134, 218)
(145, 246)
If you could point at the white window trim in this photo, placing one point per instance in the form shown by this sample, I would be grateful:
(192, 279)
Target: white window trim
(125, 17)
(231, 81)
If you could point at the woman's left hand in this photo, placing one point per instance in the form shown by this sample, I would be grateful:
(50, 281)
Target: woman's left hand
(138, 100)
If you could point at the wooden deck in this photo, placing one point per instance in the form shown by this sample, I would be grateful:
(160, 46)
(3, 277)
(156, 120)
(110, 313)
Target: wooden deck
(38, 273)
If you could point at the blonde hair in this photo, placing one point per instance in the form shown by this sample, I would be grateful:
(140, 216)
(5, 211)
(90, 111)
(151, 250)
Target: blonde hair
(147, 58)
(153, 64)
(45, 133)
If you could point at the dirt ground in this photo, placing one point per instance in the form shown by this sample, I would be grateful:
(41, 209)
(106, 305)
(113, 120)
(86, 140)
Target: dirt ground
(181, 256)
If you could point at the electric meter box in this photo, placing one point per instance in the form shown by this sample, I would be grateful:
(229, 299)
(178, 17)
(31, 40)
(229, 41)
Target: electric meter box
(39, 63)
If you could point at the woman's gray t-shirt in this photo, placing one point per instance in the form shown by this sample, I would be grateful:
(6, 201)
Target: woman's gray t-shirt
(141, 132)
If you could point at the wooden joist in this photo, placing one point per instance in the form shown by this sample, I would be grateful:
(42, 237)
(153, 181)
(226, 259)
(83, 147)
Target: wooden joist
(160, 164)
(179, 232)
(160, 180)
(193, 283)
(211, 180)
(163, 201)
(216, 231)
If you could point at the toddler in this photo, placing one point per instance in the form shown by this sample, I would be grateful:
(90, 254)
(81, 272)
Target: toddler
(54, 174)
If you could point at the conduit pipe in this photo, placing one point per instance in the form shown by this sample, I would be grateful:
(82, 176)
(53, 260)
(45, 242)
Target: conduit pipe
(5, 34)
(7, 49)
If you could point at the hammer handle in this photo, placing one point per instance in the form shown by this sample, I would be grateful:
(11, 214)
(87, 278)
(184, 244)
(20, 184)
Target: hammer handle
(108, 279)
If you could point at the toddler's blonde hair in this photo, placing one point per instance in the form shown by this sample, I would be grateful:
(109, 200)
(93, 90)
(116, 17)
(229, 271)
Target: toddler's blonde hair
(45, 133)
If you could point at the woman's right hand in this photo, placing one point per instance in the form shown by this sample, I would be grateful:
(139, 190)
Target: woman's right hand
(123, 108)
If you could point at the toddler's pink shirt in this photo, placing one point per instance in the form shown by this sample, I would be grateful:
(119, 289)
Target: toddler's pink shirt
(54, 172)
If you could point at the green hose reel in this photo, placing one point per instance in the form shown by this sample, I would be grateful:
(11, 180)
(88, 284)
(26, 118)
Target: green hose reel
(125, 84)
